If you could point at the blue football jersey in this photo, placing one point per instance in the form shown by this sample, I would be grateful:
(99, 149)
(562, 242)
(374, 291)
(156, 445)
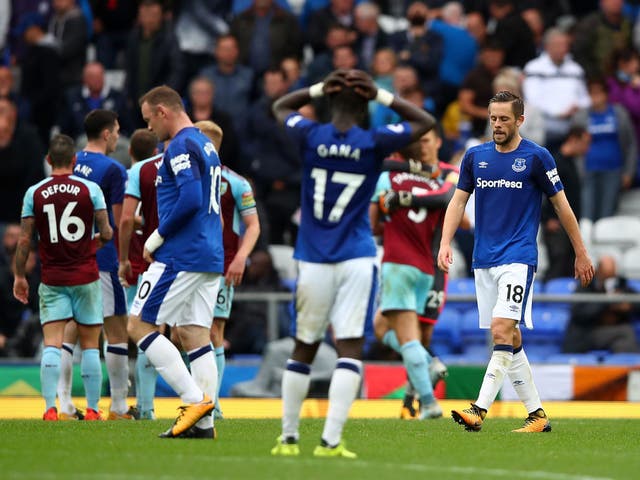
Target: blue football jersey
(508, 196)
(112, 178)
(340, 171)
(197, 245)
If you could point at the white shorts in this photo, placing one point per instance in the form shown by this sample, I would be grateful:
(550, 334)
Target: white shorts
(114, 298)
(505, 291)
(342, 294)
(176, 298)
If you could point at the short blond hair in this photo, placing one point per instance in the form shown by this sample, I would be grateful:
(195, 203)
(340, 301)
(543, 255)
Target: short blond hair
(211, 130)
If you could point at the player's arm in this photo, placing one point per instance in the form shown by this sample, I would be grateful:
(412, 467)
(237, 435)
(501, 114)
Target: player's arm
(20, 284)
(247, 243)
(291, 102)
(412, 166)
(127, 225)
(391, 200)
(377, 227)
(583, 266)
(105, 232)
(452, 219)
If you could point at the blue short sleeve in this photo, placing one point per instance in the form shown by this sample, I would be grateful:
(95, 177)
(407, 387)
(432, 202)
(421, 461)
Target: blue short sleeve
(390, 138)
(384, 183)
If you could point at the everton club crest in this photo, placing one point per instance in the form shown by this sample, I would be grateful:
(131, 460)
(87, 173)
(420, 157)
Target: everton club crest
(519, 165)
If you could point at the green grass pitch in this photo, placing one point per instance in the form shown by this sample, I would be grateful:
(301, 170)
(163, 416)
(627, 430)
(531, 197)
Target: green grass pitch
(585, 449)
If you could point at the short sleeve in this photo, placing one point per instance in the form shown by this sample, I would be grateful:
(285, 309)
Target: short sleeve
(384, 183)
(545, 173)
(183, 162)
(390, 138)
(243, 196)
(27, 203)
(97, 197)
(298, 126)
(466, 181)
(133, 181)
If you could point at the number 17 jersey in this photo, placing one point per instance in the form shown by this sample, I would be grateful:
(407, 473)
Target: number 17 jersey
(340, 171)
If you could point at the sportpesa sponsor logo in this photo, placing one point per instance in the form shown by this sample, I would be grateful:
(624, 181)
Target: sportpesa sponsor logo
(500, 183)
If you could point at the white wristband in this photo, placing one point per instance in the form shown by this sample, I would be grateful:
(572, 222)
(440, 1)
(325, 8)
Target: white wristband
(154, 241)
(315, 90)
(384, 97)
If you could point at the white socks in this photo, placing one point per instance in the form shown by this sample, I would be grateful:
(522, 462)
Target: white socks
(345, 383)
(522, 380)
(494, 376)
(295, 387)
(117, 360)
(205, 374)
(66, 379)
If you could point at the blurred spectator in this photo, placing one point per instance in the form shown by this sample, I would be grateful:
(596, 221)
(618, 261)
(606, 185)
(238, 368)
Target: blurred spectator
(568, 162)
(275, 164)
(8, 89)
(112, 22)
(459, 51)
(370, 37)
(18, 331)
(266, 34)
(5, 18)
(153, 57)
(420, 47)
(476, 91)
(476, 26)
(612, 159)
(535, 21)
(292, 68)
(384, 63)
(40, 74)
(533, 128)
(199, 23)
(19, 10)
(337, 12)
(201, 106)
(555, 84)
(511, 32)
(69, 27)
(603, 326)
(232, 78)
(247, 329)
(93, 93)
(322, 63)
(624, 86)
(21, 161)
(600, 33)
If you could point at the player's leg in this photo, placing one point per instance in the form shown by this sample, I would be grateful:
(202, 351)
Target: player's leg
(159, 300)
(521, 378)
(428, 320)
(145, 375)
(356, 286)
(55, 312)
(68, 411)
(315, 294)
(194, 329)
(117, 354)
(87, 310)
(221, 315)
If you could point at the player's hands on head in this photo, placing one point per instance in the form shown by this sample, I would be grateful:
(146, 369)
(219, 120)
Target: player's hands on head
(362, 83)
(335, 82)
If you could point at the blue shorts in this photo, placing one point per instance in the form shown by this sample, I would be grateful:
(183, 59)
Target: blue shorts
(404, 288)
(80, 302)
(224, 300)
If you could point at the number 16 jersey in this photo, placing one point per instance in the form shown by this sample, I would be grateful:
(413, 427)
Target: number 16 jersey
(340, 171)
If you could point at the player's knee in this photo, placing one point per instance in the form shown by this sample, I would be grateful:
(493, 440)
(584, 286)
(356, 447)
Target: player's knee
(380, 325)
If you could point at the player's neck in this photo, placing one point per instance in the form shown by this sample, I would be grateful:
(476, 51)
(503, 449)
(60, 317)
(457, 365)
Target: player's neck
(511, 146)
(343, 122)
(182, 121)
(59, 171)
(96, 147)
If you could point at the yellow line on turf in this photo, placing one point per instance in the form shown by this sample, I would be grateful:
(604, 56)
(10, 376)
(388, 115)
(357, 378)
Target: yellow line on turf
(33, 407)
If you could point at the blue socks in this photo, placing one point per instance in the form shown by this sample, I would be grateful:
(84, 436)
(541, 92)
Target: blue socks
(220, 363)
(91, 371)
(146, 376)
(49, 375)
(414, 357)
(391, 340)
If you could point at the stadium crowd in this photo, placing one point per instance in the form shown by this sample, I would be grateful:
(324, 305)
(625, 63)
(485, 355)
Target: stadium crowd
(575, 63)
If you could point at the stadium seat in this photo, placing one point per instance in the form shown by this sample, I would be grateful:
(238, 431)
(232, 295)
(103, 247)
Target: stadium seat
(550, 320)
(560, 286)
(446, 332)
(629, 359)
(283, 261)
(476, 354)
(620, 230)
(630, 265)
(574, 359)
(629, 203)
(461, 286)
(470, 332)
(634, 284)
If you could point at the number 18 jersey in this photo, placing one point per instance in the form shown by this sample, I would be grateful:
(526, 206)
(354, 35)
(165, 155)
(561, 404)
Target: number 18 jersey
(340, 170)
